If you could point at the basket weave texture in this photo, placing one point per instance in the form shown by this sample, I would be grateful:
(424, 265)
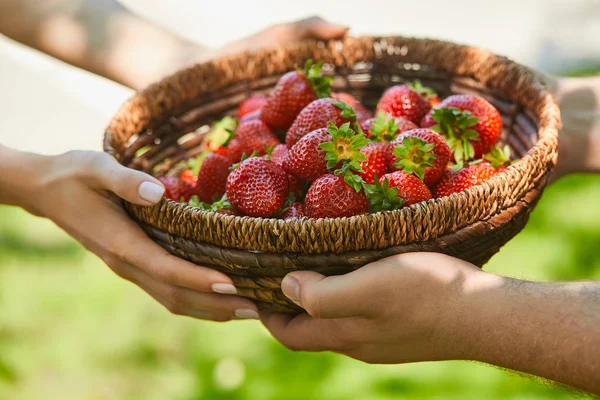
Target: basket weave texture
(150, 133)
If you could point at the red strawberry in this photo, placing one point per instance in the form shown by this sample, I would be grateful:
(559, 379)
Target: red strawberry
(257, 187)
(294, 91)
(177, 189)
(426, 92)
(189, 177)
(212, 177)
(410, 188)
(331, 197)
(278, 155)
(471, 175)
(306, 160)
(422, 152)
(295, 210)
(251, 104)
(386, 128)
(318, 114)
(471, 125)
(378, 155)
(249, 137)
(403, 101)
(253, 116)
(362, 113)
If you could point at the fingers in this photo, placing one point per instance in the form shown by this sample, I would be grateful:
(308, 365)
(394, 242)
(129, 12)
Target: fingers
(318, 28)
(327, 297)
(134, 186)
(304, 333)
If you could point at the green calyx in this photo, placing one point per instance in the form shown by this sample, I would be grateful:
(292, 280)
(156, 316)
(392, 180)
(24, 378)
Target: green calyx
(269, 151)
(384, 128)
(498, 157)
(222, 132)
(414, 154)
(320, 84)
(349, 113)
(456, 126)
(195, 163)
(382, 197)
(221, 204)
(344, 148)
(244, 158)
(424, 91)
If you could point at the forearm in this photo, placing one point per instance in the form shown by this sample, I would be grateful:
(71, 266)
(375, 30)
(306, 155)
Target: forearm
(20, 173)
(551, 330)
(579, 140)
(100, 36)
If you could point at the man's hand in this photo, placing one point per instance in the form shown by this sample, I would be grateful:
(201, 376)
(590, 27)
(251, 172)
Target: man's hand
(427, 306)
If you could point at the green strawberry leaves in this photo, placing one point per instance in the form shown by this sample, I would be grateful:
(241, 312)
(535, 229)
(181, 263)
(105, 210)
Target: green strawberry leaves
(221, 204)
(222, 132)
(349, 113)
(424, 91)
(320, 84)
(344, 147)
(382, 197)
(498, 157)
(456, 126)
(195, 163)
(414, 154)
(244, 158)
(384, 128)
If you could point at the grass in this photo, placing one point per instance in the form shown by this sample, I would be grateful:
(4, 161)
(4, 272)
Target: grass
(70, 329)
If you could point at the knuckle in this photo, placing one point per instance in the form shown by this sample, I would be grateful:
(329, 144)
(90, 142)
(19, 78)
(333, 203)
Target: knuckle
(311, 303)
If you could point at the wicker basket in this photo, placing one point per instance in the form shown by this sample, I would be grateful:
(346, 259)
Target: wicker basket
(149, 133)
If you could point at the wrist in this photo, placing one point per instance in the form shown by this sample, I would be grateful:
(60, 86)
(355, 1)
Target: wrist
(21, 178)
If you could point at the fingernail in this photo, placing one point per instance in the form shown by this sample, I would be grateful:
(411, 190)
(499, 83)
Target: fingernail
(151, 192)
(291, 288)
(224, 288)
(246, 313)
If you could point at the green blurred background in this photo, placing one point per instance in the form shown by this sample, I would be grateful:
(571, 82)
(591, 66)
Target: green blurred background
(71, 330)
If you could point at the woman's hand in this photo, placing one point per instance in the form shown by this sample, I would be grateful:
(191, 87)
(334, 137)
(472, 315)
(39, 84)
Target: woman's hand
(77, 191)
(428, 306)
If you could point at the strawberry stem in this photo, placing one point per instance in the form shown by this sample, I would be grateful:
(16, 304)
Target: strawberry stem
(344, 148)
(382, 197)
(424, 91)
(456, 126)
(414, 155)
(498, 157)
(384, 128)
(349, 113)
(320, 84)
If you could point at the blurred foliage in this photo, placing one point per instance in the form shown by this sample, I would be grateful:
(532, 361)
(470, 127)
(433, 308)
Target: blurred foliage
(71, 330)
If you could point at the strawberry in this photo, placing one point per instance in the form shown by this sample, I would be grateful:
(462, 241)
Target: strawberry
(403, 101)
(177, 189)
(454, 181)
(306, 160)
(251, 104)
(378, 158)
(294, 210)
(330, 196)
(220, 135)
(277, 155)
(294, 91)
(189, 177)
(471, 125)
(499, 158)
(422, 152)
(410, 188)
(249, 137)
(253, 116)
(318, 114)
(362, 113)
(257, 187)
(426, 92)
(385, 128)
(212, 177)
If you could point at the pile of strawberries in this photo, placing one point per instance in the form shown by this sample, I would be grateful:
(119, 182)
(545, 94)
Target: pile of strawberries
(306, 152)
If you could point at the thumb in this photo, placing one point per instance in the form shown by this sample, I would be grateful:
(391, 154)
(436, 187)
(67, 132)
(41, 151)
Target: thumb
(129, 184)
(321, 296)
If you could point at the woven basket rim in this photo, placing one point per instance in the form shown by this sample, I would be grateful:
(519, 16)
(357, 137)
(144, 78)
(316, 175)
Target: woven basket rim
(542, 155)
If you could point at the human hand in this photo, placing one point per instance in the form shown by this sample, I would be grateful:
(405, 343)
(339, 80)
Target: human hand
(77, 191)
(400, 309)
